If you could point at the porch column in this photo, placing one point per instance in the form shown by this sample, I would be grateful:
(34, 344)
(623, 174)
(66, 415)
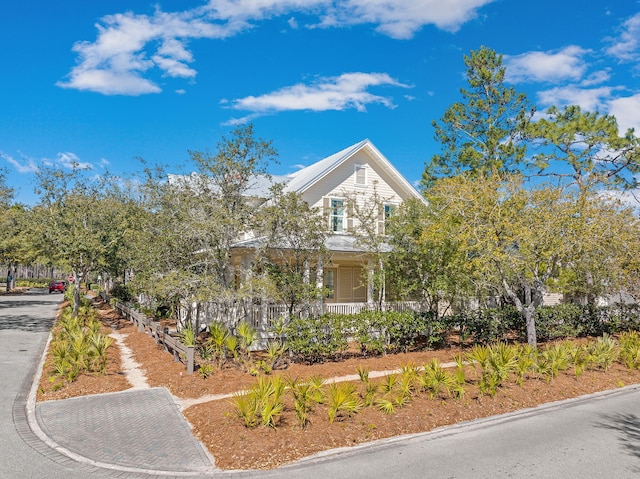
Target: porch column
(320, 285)
(370, 286)
(306, 279)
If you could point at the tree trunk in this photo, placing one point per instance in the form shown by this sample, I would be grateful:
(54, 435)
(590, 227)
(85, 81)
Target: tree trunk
(529, 315)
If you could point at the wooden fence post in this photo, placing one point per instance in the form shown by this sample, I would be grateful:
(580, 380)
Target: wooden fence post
(190, 359)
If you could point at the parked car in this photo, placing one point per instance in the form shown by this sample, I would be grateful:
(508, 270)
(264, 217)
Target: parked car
(57, 286)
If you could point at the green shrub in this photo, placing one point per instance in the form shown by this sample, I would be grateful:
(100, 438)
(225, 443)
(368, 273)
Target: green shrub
(122, 292)
(484, 326)
(318, 338)
(559, 321)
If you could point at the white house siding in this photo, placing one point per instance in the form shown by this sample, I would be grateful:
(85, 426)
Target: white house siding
(551, 299)
(341, 182)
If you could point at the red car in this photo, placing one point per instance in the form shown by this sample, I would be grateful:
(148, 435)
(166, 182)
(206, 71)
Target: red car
(59, 286)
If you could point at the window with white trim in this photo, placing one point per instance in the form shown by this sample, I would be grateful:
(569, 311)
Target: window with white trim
(336, 215)
(360, 175)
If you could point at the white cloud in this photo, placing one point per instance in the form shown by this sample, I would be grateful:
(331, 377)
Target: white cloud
(589, 99)
(597, 77)
(70, 160)
(129, 46)
(626, 47)
(565, 64)
(27, 165)
(627, 112)
(346, 91)
(66, 160)
(401, 19)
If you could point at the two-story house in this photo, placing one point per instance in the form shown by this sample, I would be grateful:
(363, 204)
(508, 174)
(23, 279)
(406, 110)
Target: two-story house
(359, 171)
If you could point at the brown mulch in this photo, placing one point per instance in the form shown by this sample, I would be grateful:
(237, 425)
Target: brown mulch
(237, 447)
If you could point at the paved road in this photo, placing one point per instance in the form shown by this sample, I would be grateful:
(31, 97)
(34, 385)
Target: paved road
(25, 321)
(594, 438)
(589, 438)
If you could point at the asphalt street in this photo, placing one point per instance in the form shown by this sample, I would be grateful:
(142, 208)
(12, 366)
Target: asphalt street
(25, 322)
(592, 437)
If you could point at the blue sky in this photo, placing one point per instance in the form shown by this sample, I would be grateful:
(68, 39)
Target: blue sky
(103, 82)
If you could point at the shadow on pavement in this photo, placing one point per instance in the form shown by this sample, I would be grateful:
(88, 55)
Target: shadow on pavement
(628, 427)
(13, 314)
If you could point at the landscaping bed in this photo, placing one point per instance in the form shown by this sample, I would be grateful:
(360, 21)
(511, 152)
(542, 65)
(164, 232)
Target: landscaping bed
(235, 446)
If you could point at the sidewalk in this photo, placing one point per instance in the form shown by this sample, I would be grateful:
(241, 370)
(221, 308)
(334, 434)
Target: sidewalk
(134, 430)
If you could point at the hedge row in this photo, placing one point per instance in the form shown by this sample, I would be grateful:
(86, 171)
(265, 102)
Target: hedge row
(552, 322)
(374, 332)
(378, 332)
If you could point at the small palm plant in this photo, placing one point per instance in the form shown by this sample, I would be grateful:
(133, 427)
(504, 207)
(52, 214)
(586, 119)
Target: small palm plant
(435, 380)
(389, 383)
(188, 336)
(630, 349)
(342, 400)
(525, 362)
(98, 346)
(245, 407)
(247, 335)
(305, 396)
(578, 359)
(557, 358)
(216, 344)
(370, 387)
(460, 376)
(602, 352)
(275, 355)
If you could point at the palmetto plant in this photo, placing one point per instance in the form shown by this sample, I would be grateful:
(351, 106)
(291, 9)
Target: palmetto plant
(363, 373)
(370, 388)
(630, 349)
(577, 358)
(460, 376)
(388, 383)
(495, 363)
(98, 346)
(435, 380)
(525, 362)
(602, 352)
(555, 358)
(263, 404)
(305, 396)
(247, 335)
(385, 405)
(270, 412)
(216, 345)
(342, 400)
(245, 407)
(275, 354)
(188, 336)
(479, 355)
(503, 360)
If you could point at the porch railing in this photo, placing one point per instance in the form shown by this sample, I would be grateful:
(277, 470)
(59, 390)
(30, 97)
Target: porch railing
(263, 317)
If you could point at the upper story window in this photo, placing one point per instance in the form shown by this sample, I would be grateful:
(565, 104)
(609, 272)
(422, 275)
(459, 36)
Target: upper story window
(336, 215)
(361, 175)
(388, 211)
(384, 213)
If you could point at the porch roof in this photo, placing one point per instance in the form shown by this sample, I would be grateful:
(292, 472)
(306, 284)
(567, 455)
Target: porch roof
(335, 243)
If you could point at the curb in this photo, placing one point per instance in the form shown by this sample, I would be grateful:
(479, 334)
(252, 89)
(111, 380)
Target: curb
(471, 425)
(33, 435)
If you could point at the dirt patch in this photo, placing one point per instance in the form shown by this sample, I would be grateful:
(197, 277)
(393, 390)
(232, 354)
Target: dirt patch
(236, 447)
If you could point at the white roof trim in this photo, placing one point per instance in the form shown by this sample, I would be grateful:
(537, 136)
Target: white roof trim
(303, 179)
